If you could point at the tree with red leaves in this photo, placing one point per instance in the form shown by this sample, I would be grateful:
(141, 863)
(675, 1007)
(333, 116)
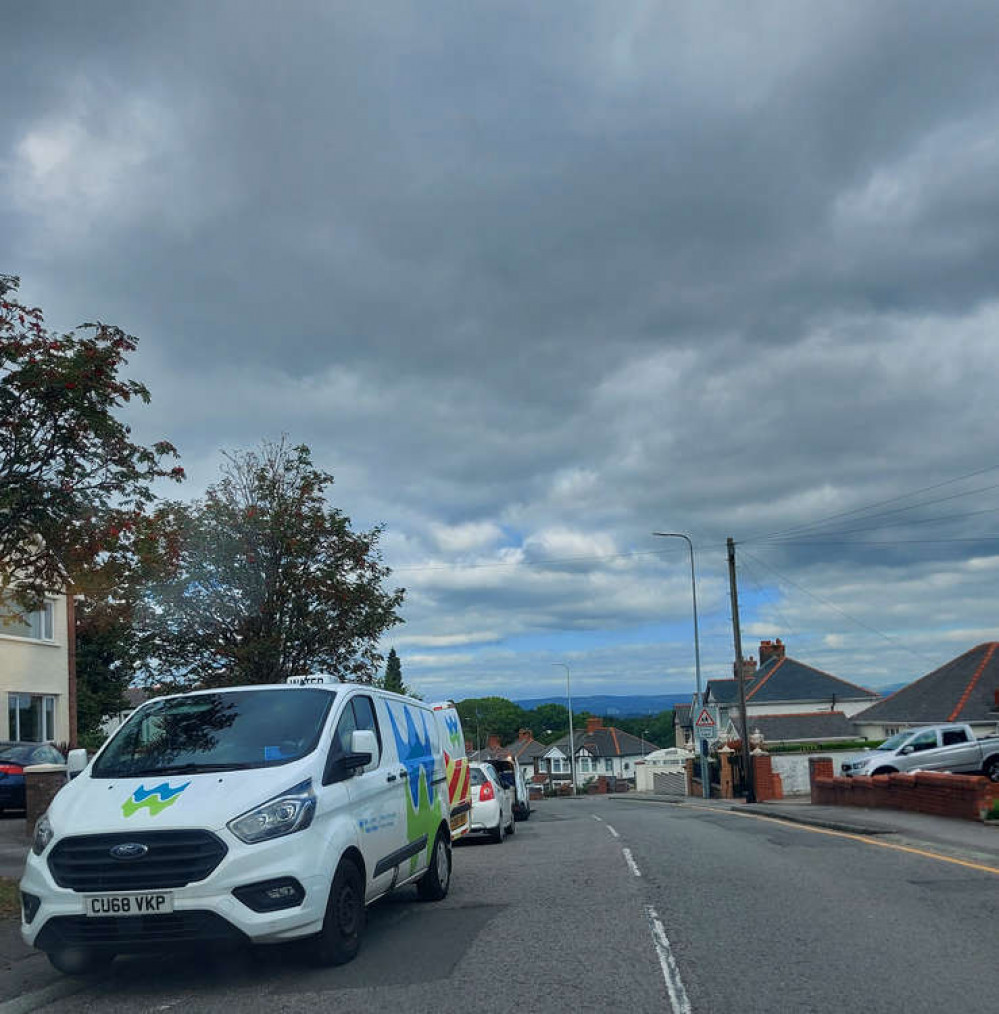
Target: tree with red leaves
(75, 488)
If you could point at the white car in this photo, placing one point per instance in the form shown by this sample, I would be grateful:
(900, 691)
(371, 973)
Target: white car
(261, 814)
(492, 804)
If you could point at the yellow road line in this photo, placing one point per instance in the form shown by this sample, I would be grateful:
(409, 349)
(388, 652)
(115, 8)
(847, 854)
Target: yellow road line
(863, 839)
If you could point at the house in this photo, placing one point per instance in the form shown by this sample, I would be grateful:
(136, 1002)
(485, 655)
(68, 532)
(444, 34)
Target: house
(133, 698)
(600, 751)
(683, 726)
(965, 689)
(524, 750)
(35, 673)
(813, 705)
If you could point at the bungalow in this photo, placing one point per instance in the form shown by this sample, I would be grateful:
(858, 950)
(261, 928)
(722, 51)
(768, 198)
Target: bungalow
(784, 688)
(965, 689)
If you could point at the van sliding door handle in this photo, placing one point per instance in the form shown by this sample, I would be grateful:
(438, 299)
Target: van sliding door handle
(403, 773)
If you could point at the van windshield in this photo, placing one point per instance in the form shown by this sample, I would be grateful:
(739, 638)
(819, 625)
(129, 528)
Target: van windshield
(224, 731)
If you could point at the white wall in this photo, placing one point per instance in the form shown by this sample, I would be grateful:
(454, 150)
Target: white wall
(30, 666)
(793, 767)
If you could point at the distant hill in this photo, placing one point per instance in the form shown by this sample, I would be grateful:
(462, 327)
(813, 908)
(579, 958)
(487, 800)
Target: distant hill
(624, 706)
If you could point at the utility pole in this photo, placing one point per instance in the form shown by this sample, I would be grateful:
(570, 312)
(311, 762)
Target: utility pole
(747, 761)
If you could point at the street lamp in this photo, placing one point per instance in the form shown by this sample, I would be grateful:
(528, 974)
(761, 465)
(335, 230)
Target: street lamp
(705, 779)
(572, 741)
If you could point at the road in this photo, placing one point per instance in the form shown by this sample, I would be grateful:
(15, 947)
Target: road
(617, 904)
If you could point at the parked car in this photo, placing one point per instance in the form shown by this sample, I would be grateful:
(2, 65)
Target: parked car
(459, 783)
(948, 747)
(512, 779)
(14, 758)
(492, 804)
(260, 813)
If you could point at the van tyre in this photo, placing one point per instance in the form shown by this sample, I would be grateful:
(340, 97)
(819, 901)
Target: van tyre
(434, 884)
(340, 938)
(991, 769)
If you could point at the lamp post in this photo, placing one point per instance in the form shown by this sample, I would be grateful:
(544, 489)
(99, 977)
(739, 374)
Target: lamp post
(705, 778)
(572, 741)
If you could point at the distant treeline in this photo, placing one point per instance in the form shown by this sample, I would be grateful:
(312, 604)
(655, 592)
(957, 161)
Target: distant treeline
(485, 716)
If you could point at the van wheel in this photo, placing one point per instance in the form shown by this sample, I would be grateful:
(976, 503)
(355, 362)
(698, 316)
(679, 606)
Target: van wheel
(991, 769)
(434, 884)
(340, 938)
(80, 960)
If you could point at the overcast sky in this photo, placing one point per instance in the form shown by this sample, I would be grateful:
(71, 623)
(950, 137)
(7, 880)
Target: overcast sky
(537, 279)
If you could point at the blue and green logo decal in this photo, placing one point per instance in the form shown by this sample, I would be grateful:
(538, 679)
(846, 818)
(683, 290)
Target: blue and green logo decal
(451, 722)
(155, 800)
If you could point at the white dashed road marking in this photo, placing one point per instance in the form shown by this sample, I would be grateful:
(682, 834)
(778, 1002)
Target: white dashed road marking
(612, 831)
(678, 1000)
(630, 860)
(595, 817)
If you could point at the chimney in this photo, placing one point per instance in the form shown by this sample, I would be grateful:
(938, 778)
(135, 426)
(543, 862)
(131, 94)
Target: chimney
(748, 668)
(525, 734)
(593, 723)
(771, 649)
(494, 741)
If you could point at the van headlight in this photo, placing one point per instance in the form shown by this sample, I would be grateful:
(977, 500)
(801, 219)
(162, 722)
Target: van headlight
(43, 834)
(287, 813)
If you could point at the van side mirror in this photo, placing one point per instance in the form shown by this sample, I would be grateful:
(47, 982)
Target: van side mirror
(363, 744)
(76, 761)
(363, 750)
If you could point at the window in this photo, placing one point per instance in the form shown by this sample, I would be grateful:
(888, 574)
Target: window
(584, 763)
(951, 737)
(37, 626)
(358, 714)
(924, 741)
(608, 765)
(31, 718)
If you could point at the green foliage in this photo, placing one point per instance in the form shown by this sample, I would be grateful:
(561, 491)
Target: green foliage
(853, 744)
(105, 654)
(993, 813)
(71, 477)
(269, 581)
(482, 716)
(485, 716)
(393, 674)
(657, 729)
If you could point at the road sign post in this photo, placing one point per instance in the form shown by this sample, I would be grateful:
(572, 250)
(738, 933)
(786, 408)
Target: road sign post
(706, 732)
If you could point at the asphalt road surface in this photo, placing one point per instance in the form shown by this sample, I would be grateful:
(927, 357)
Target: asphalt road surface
(619, 905)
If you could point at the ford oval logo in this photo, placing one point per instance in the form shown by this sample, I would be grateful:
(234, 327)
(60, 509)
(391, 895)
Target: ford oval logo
(129, 850)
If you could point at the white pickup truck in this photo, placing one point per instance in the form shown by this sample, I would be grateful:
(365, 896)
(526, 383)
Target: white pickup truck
(948, 747)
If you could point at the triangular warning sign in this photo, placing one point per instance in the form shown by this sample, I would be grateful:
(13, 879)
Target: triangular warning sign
(704, 719)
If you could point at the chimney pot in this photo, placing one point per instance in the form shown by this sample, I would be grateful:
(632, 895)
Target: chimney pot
(525, 734)
(593, 723)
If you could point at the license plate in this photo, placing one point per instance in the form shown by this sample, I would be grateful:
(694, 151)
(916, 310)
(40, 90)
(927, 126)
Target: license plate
(151, 903)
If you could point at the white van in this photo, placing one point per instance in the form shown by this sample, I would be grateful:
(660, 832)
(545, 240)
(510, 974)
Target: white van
(262, 814)
(459, 782)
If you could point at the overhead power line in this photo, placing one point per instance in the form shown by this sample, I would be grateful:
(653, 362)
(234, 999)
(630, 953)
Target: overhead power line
(832, 605)
(872, 506)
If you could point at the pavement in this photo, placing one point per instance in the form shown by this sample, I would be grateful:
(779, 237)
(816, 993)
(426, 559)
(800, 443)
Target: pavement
(963, 839)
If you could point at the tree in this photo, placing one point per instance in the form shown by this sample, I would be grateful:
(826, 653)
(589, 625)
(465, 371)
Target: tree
(70, 473)
(393, 674)
(269, 582)
(485, 716)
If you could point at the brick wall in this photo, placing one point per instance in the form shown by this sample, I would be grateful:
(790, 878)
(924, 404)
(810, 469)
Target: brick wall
(967, 797)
